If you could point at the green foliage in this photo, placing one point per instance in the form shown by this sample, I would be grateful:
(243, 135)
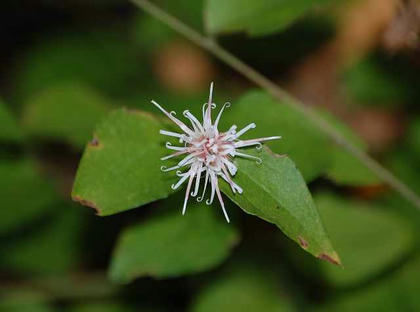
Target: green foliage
(89, 58)
(189, 11)
(103, 306)
(150, 33)
(243, 289)
(99, 59)
(368, 82)
(255, 17)
(405, 164)
(397, 292)
(117, 174)
(348, 170)
(66, 112)
(24, 194)
(74, 4)
(369, 238)
(345, 168)
(276, 192)
(9, 131)
(49, 250)
(120, 168)
(172, 245)
(24, 301)
(299, 137)
(413, 136)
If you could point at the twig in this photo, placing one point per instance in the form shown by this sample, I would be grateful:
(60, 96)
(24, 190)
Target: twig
(260, 80)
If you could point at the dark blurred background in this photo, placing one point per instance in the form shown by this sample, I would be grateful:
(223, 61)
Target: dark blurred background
(65, 64)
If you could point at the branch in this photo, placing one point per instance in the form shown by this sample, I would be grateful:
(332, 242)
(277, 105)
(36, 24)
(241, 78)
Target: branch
(260, 80)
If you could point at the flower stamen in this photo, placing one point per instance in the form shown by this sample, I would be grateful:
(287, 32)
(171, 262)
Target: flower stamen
(209, 151)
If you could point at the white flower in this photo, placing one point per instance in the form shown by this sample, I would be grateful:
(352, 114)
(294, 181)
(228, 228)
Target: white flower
(207, 152)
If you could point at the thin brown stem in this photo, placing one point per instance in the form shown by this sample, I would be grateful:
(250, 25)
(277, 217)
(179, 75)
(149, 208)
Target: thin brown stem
(260, 80)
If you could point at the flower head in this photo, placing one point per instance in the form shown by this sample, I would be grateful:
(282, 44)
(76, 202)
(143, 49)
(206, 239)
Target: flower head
(207, 152)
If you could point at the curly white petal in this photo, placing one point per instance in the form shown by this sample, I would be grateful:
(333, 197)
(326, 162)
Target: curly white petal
(208, 151)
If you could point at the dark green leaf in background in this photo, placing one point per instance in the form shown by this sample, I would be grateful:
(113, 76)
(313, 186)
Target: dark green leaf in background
(243, 289)
(301, 141)
(189, 11)
(404, 161)
(66, 112)
(257, 18)
(413, 137)
(120, 168)
(9, 129)
(405, 164)
(368, 238)
(368, 83)
(150, 34)
(24, 301)
(346, 168)
(53, 248)
(24, 194)
(313, 153)
(397, 292)
(276, 192)
(103, 60)
(102, 306)
(173, 244)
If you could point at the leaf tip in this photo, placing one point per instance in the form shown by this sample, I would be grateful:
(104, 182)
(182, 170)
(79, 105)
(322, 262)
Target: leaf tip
(87, 203)
(331, 258)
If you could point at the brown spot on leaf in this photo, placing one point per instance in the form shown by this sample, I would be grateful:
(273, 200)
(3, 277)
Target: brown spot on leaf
(94, 142)
(303, 242)
(330, 259)
(87, 203)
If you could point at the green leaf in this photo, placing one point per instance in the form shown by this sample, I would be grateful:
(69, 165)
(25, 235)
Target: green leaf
(413, 136)
(192, 16)
(66, 112)
(388, 89)
(9, 129)
(171, 245)
(149, 33)
(397, 292)
(345, 168)
(102, 307)
(276, 192)
(348, 170)
(369, 238)
(300, 138)
(52, 249)
(120, 168)
(24, 194)
(102, 60)
(243, 289)
(302, 141)
(406, 166)
(24, 301)
(255, 17)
